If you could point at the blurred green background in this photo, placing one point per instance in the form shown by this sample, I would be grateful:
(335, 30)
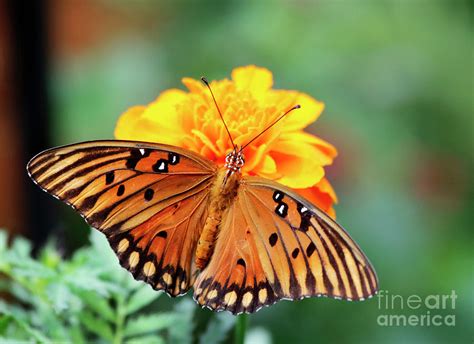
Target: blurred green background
(396, 78)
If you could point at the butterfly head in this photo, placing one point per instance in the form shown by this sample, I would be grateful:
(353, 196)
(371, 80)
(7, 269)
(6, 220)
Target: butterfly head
(234, 160)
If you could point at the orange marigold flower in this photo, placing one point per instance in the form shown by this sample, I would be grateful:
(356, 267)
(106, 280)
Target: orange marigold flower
(284, 153)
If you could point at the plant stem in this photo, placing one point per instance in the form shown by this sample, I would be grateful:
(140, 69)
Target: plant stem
(119, 321)
(240, 328)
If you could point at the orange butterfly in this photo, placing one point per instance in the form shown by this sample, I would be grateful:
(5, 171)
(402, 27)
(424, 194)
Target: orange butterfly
(177, 220)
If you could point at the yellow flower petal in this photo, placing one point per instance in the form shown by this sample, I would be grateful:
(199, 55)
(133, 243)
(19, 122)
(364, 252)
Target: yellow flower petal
(193, 85)
(307, 114)
(254, 157)
(132, 126)
(267, 167)
(253, 79)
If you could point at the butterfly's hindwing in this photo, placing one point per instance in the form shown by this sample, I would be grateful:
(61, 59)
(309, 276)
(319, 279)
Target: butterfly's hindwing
(149, 200)
(275, 245)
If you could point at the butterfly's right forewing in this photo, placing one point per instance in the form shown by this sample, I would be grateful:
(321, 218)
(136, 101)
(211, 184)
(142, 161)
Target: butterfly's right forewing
(149, 200)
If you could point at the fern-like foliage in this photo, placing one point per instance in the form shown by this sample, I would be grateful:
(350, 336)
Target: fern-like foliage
(87, 298)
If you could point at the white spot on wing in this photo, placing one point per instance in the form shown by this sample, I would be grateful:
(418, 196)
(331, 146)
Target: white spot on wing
(281, 209)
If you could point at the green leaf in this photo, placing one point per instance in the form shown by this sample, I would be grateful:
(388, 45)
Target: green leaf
(22, 294)
(142, 297)
(5, 320)
(12, 310)
(77, 335)
(98, 304)
(181, 332)
(21, 247)
(149, 323)
(152, 339)
(85, 279)
(217, 329)
(96, 325)
(32, 332)
(59, 296)
(29, 268)
(49, 256)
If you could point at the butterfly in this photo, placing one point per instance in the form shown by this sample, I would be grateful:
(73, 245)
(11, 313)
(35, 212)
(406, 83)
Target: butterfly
(177, 220)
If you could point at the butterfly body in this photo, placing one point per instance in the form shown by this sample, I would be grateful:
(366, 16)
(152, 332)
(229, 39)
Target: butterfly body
(176, 220)
(222, 195)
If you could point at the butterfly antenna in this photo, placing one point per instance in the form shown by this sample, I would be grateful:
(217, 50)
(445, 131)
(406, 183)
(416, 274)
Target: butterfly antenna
(271, 125)
(204, 80)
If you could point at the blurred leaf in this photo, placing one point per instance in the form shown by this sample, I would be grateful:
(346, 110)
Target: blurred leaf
(218, 328)
(142, 297)
(22, 294)
(49, 256)
(5, 320)
(149, 323)
(258, 335)
(98, 304)
(152, 339)
(84, 278)
(96, 325)
(77, 335)
(182, 330)
(33, 333)
(59, 296)
(26, 267)
(21, 247)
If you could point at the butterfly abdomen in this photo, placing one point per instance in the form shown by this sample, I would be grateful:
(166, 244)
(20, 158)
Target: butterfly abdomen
(223, 193)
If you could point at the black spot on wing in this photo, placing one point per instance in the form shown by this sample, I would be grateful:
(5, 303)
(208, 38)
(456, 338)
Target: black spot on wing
(149, 194)
(305, 217)
(135, 156)
(162, 234)
(161, 166)
(281, 209)
(173, 158)
(310, 249)
(295, 252)
(121, 190)
(272, 240)
(109, 177)
(277, 196)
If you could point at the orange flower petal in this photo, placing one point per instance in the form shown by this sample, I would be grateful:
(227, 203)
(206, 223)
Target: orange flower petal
(303, 150)
(206, 141)
(327, 152)
(326, 187)
(319, 198)
(296, 171)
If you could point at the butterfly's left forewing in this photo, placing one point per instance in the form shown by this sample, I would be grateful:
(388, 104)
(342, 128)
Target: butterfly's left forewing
(273, 245)
(149, 200)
